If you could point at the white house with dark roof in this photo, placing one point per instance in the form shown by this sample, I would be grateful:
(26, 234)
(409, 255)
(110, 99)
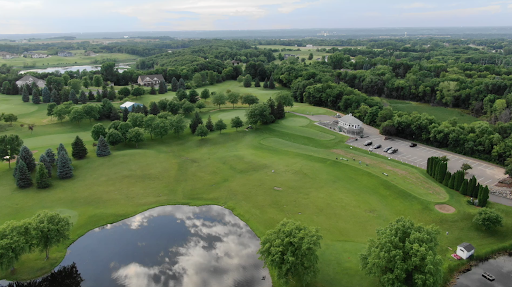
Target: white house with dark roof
(29, 80)
(350, 125)
(464, 250)
(147, 80)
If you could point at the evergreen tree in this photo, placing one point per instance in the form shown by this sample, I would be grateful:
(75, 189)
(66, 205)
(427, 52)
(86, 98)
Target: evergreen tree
(83, 98)
(182, 85)
(72, 97)
(271, 84)
(15, 171)
(162, 87)
(23, 177)
(181, 94)
(464, 187)
(195, 122)
(145, 110)
(64, 167)
(442, 168)
(114, 115)
(472, 191)
(174, 84)
(111, 93)
(265, 84)
(62, 149)
(153, 108)
(28, 158)
(451, 183)
(103, 148)
(25, 96)
(209, 124)
(483, 196)
(42, 178)
(90, 96)
(247, 81)
(429, 165)
(36, 97)
(78, 149)
(447, 177)
(125, 114)
(56, 97)
(192, 96)
(280, 110)
(257, 83)
(50, 155)
(47, 96)
(44, 160)
(273, 111)
(152, 90)
(98, 96)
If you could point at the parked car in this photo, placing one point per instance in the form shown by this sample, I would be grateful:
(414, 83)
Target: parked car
(392, 151)
(413, 145)
(367, 143)
(488, 276)
(377, 146)
(387, 149)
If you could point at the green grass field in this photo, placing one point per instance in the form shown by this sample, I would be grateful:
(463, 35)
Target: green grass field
(56, 61)
(303, 53)
(441, 113)
(347, 201)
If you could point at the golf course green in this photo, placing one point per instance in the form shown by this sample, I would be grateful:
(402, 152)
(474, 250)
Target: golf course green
(284, 170)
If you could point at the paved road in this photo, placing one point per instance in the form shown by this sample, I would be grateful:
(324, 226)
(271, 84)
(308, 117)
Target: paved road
(486, 173)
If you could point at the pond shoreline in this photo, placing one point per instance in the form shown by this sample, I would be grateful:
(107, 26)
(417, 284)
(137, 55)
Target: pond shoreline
(475, 262)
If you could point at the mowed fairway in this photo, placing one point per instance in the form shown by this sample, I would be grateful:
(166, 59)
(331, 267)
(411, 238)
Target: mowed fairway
(440, 113)
(346, 200)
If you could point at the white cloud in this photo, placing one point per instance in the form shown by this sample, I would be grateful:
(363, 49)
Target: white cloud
(416, 5)
(457, 12)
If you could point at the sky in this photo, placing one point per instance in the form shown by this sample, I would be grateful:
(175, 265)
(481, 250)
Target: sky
(67, 16)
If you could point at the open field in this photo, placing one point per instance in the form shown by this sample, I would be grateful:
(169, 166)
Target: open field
(441, 113)
(56, 61)
(303, 53)
(348, 201)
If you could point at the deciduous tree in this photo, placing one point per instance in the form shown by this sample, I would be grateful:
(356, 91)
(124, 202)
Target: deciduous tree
(201, 131)
(98, 130)
(236, 123)
(488, 218)
(136, 120)
(50, 229)
(233, 98)
(136, 135)
(219, 99)
(220, 125)
(10, 145)
(404, 254)
(290, 250)
(205, 94)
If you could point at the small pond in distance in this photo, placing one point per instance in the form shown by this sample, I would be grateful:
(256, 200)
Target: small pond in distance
(171, 246)
(500, 268)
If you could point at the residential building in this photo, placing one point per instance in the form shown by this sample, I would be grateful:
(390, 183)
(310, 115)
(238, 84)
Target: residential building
(235, 63)
(65, 54)
(36, 56)
(147, 80)
(29, 80)
(309, 46)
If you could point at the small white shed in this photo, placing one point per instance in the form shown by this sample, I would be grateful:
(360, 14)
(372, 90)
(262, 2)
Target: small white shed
(464, 250)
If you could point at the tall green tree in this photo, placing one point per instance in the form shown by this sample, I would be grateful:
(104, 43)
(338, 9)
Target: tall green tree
(102, 149)
(78, 149)
(161, 127)
(219, 99)
(273, 111)
(271, 84)
(205, 94)
(220, 125)
(483, 196)
(82, 98)
(28, 158)
(43, 159)
(50, 108)
(97, 81)
(193, 95)
(181, 95)
(265, 84)
(247, 81)
(290, 250)
(137, 120)
(47, 97)
(36, 96)
(181, 84)
(50, 155)
(174, 85)
(136, 136)
(188, 107)
(76, 115)
(248, 99)
(201, 131)
(209, 124)
(404, 254)
(50, 229)
(16, 238)
(91, 112)
(200, 105)
(42, 178)
(447, 177)
(25, 96)
(97, 131)
(10, 145)
(258, 113)
(153, 108)
(177, 124)
(464, 187)
(23, 177)
(72, 97)
(64, 167)
(233, 98)
(62, 149)
(236, 123)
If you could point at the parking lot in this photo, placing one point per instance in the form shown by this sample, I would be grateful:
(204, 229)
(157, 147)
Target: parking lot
(485, 173)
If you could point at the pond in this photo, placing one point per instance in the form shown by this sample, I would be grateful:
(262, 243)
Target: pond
(500, 268)
(121, 68)
(171, 246)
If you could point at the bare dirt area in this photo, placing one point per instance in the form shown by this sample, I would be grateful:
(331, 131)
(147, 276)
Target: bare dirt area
(445, 208)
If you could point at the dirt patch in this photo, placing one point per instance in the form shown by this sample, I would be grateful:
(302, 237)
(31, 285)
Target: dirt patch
(445, 208)
(277, 188)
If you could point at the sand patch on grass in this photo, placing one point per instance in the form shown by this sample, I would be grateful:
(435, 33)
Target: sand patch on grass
(445, 208)
(277, 188)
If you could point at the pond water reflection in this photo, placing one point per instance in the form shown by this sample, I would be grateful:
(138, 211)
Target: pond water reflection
(500, 268)
(120, 67)
(171, 246)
